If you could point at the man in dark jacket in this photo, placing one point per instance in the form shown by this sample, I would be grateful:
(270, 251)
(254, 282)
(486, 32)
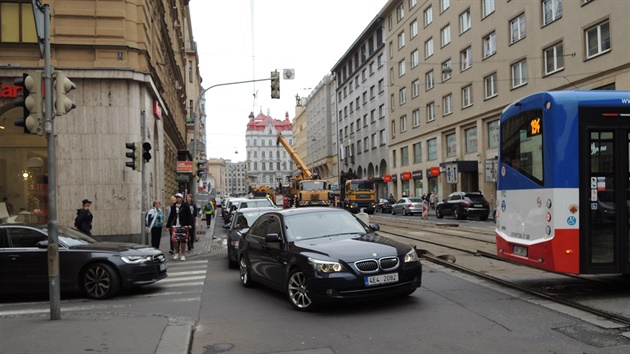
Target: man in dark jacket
(83, 221)
(180, 222)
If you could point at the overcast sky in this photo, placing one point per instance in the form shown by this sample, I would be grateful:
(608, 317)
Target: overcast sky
(308, 36)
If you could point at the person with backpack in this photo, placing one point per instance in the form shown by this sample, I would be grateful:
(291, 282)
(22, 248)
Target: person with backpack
(155, 221)
(208, 209)
(83, 221)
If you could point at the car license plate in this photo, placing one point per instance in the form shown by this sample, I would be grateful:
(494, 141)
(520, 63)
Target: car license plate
(478, 205)
(520, 251)
(381, 279)
(162, 267)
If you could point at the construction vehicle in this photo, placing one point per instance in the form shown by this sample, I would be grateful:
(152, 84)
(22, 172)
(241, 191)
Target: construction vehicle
(264, 192)
(306, 189)
(356, 193)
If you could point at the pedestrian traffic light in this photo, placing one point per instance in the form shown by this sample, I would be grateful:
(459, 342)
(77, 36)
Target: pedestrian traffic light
(275, 84)
(63, 85)
(201, 167)
(31, 101)
(146, 151)
(134, 153)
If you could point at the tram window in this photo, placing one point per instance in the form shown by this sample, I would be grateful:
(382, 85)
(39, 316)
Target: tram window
(521, 144)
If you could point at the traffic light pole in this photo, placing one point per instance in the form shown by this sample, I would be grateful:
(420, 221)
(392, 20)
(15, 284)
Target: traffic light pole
(143, 232)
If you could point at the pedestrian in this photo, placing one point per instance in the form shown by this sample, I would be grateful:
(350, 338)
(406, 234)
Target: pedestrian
(83, 221)
(208, 210)
(194, 211)
(432, 199)
(155, 221)
(180, 222)
(167, 214)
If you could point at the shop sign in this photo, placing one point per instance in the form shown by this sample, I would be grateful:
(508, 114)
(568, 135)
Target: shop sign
(387, 178)
(405, 176)
(435, 171)
(184, 166)
(9, 91)
(182, 177)
(416, 174)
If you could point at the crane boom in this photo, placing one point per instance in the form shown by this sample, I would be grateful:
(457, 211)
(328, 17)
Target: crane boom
(306, 173)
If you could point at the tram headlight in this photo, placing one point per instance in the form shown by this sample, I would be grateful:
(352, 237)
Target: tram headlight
(548, 217)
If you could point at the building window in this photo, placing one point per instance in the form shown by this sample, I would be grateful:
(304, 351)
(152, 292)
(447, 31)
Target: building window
(552, 10)
(489, 45)
(403, 124)
(517, 29)
(413, 3)
(444, 5)
(402, 68)
(432, 149)
(18, 24)
(467, 96)
(415, 88)
(413, 29)
(519, 74)
(393, 129)
(190, 71)
(401, 40)
(404, 156)
(445, 35)
(381, 85)
(374, 141)
(490, 85)
(554, 58)
(415, 60)
(391, 76)
(415, 118)
(428, 16)
(391, 49)
(428, 48)
(372, 92)
(466, 58)
(373, 116)
(381, 137)
(493, 134)
(464, 21)
(379, 60)
(417, 152)
(402, 94)
(429, 81)
(392, 103)
(430, 111)
(447, 70)
(400, 12)
(471, 139)
(381, 111)
(451, 145)
(447, 104)
(597, 40)
(487, 7)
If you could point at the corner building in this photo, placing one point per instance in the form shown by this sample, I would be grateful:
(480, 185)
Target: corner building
(135, 67)
(454, 65)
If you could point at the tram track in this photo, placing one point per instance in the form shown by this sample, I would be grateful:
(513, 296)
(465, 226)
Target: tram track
(472, 244)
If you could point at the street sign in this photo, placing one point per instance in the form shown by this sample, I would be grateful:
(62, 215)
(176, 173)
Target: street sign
(203, 198)
(451, 173)
(184, 166)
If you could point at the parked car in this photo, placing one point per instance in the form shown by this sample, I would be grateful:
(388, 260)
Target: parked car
(230, 205)
(407, 206)
(462, 205)
(384, 205)
(241, 220)
(248, 203)
(98, 269)
(318, 254)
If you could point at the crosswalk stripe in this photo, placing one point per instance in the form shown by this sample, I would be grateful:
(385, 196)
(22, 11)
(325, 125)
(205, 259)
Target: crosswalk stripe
(176, 279)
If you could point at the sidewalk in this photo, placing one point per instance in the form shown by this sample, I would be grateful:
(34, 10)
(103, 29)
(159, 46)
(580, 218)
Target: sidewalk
(102, 332)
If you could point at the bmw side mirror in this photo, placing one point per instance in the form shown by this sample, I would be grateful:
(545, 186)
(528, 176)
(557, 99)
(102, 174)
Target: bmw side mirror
(272, 238)
(42, 244)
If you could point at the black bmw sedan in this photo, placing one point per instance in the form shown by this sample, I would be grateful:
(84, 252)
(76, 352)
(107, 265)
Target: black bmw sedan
(316, 255)
(98, 269)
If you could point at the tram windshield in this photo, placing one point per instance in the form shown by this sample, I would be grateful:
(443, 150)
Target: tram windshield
(522, 137)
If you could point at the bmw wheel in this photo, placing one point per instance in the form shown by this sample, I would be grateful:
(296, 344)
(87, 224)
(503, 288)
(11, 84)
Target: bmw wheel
(393, 211)
(100, 281)
(438, 213)
(298, 292)
(246, 278)
(457, 214)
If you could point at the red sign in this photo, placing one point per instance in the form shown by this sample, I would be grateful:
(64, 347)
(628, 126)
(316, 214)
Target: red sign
(405, 176)
(9, 91)
(435, 171)
(184, 166)
(387, 178)
(157, 110)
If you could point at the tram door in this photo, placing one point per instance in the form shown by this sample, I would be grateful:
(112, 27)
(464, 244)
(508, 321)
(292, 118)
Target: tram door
(604, 196)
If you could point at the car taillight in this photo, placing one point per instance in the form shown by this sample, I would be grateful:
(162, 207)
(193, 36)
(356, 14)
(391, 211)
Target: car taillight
(466, 203)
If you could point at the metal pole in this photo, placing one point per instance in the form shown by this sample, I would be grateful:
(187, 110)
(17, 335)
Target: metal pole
(53, 240)
(143, 233)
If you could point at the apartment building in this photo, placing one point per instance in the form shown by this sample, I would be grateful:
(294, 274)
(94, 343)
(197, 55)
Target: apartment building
(454, 65)
(362, 106)
(136, 71)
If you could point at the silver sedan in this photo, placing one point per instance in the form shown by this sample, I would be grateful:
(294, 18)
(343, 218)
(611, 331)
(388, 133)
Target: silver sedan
(406, 206)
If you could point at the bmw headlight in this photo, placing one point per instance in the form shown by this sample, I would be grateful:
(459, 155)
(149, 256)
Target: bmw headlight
(326, 267)
(136, 259)
(411, 256)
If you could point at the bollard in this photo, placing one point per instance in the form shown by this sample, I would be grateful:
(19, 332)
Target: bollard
(363, 216)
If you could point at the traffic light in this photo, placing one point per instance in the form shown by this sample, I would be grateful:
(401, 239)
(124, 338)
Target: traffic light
(201, 167)
(146, 151)
(134, 154)
(63, 85)
(31, 100)
(275, 84)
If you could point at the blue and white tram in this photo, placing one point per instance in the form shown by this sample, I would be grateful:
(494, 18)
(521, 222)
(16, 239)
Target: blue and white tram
(563, 188)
